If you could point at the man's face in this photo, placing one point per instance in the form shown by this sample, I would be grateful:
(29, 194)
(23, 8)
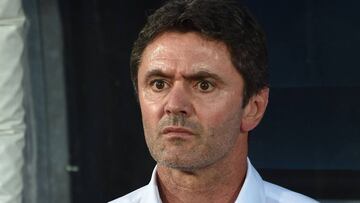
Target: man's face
(190, 96)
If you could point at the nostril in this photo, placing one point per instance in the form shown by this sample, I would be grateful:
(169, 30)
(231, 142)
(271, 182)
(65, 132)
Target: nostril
(168, 111)
(184, 113)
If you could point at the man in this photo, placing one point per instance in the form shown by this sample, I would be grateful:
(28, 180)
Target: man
(200, 71)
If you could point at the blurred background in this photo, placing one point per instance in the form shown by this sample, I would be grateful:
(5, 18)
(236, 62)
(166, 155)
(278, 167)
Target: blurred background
(84, 140)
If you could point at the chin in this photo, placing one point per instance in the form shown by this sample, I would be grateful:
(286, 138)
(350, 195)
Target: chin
(183, 165)
(179, 166)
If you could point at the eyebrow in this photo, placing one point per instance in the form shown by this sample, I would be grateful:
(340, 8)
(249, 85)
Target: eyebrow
(156, 73)
(200, 75)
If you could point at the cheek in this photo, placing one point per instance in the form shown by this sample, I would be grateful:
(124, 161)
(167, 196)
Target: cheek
(221, 109)
(151, 112)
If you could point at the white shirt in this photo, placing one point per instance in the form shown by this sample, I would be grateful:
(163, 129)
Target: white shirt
(254, 190)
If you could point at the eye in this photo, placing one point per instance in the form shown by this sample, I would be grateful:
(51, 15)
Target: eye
(158, 85)
(205, 86)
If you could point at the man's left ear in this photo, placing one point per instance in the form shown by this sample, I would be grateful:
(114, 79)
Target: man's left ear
(254, 110)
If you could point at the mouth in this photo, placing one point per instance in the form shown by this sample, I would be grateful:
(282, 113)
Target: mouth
(177, 132)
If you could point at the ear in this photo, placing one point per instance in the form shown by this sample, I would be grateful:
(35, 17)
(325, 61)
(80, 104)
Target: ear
(254, 110)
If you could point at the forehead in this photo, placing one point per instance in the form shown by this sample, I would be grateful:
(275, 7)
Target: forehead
(187, 52)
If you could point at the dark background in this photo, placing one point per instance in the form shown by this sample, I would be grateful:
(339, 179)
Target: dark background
(308, 140)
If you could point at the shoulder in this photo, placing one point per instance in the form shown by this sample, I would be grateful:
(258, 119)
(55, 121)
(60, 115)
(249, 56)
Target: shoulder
(278, 194)
(132, 197)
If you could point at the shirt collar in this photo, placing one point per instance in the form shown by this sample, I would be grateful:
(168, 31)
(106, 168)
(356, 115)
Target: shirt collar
(152, 193)
(253, 187)
(251, 191)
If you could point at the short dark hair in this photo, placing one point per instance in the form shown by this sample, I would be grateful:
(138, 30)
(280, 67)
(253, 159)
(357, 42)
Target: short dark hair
(221, 20)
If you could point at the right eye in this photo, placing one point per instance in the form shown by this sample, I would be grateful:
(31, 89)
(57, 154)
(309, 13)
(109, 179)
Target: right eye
(158, 85)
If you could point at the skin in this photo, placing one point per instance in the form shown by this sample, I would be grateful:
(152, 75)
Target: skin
(195, 127)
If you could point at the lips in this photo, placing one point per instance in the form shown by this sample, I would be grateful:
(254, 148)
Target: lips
(177, 131)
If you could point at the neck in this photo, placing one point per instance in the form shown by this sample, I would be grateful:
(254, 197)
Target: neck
(219, 182)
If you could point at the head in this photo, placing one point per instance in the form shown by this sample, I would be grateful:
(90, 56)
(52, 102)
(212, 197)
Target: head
(199, 69)
(223, 21)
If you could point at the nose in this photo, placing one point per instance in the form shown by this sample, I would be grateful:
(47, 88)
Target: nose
(179, 101)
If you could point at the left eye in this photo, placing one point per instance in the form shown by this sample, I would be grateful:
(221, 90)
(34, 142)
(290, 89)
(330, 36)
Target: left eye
(204, 86)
